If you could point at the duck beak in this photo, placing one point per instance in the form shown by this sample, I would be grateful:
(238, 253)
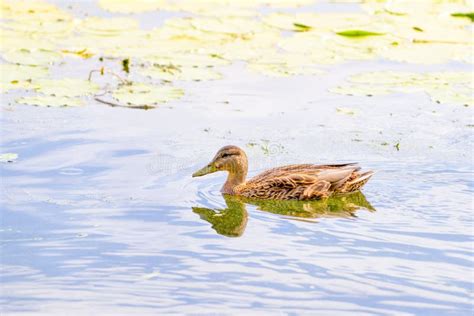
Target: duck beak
(206, 170)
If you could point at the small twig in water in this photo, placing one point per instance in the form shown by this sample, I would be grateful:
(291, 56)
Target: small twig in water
(113, 104)
(102, 71)
(107, 102)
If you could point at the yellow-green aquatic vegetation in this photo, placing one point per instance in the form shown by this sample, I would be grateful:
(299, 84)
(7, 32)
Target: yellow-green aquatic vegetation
(82, 53)
(50, 101)
(131, 6)
(8, 157)
(66, 87)
(146, 95)
(284, 65)
(442, 87)
(32, 57)
(107, 26)
(19, 76)
(358, 33)
(171, 73)
(216, 33)
(469, 15)
(346, 111)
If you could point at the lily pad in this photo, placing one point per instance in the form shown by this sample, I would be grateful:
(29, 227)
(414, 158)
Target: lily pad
(285, 70)
(50, 101)
(316, 21)
(422, 53)
(66, 87)
(19, 76)
(284, 65)
(443, 87)
(362, 90)
(21, 40)
(232, 25)
(455, 95)
(142, 94)
(386, 78)
(107, 26)
(131, 6)
(8, 157)
(32, 57)
(170, 73)
(190, 59)
(31, 10)
(55, 27)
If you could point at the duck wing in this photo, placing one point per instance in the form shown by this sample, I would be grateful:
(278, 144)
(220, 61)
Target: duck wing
(308, 169)
(302, 182)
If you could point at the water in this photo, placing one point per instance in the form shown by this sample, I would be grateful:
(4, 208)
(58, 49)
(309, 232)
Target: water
(100, 215)
(97, 213)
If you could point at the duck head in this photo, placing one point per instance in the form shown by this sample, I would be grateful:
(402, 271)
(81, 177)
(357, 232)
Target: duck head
(231, 159)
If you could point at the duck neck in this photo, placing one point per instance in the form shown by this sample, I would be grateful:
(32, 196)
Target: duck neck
(234, 178)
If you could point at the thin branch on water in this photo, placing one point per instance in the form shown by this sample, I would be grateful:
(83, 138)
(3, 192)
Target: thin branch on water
(102, 71)
(113, 104)
(108, 102)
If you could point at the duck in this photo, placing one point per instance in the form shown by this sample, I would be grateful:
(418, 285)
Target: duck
(290, 182)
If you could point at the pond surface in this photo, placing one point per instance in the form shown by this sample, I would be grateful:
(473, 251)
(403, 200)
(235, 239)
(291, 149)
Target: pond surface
(100, 215)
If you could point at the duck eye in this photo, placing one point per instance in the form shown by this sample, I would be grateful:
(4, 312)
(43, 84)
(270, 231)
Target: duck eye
(225, 155)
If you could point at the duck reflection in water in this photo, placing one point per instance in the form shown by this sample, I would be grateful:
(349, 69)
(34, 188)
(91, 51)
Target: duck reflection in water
(231, 221)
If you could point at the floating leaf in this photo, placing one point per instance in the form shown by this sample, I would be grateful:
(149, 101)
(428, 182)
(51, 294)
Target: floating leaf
(50, 101)
(83, 53)
(40, 57)
(319, 22)
(8, 157)
(141, 94)
(19, 76)
(181, 59)
(469, 15)
(347, 111)
(358, 33)
(385, 77)
(284, 65)
(107, 26)
(301, 27)
(131, 6)
(66, 87)
(55, 27)
(31, 10)
(233, 25)
(428, 29)
(21, 40)
(285, 70)
(454, 95)
(443, 87)
(170, 73)
(362, 90)
(423, 53)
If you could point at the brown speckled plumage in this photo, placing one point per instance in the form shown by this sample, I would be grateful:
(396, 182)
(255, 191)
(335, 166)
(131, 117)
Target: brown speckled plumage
(292, 182)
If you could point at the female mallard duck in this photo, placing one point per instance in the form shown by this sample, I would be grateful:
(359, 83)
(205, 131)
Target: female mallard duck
(293, 182)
